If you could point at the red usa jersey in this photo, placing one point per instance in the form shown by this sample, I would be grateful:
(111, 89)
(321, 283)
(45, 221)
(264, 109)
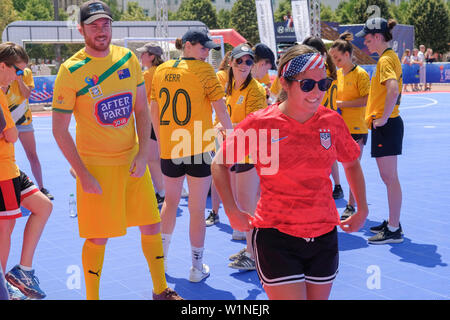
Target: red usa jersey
(293, 161)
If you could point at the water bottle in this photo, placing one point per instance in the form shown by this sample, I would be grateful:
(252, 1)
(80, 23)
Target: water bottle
(72, 206)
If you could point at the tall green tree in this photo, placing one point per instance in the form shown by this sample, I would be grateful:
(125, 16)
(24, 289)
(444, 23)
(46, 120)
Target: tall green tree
(431, 20)
(344, 11)
(7, 14)
(41, 10)
(400, 12)
(327, 14)
(134, 13)
(362, 11)
(244, 20)
(224, 19)
(198, 10)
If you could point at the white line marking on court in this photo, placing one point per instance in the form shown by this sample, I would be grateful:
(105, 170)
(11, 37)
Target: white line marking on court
(429, 127)
(432, 103)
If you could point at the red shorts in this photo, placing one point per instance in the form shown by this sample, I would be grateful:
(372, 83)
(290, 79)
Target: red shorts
(12, 192)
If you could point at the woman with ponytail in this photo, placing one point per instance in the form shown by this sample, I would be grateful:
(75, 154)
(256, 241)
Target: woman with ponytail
(383, 118)
(353, 84)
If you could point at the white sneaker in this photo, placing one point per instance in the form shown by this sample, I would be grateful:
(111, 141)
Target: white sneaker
(196, 275)
(184, 193)
(238, 235)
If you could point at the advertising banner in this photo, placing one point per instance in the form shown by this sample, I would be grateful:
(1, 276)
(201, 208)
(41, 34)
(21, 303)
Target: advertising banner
(266, 26)
(43, 89)
(300, 16)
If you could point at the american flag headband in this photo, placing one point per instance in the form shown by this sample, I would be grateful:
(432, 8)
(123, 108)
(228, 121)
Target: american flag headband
(304, 62)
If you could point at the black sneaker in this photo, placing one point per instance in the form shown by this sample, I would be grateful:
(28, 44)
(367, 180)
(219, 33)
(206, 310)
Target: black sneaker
(159, 199)
(386, 236)
(380, 227)
(338, 193)
(47, 193)
(348, 212)
(212, 219)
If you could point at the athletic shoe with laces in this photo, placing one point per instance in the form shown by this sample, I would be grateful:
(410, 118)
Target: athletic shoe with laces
(14, 293)
(380, 227)
(386, 236)
(338, 193)
(244, 262)
(348, 212)
(196, 275)
(159, 199)
(212, 219)
(237, 255)
(47, 193)
(238, 235)
(168, 294)
(26, 282)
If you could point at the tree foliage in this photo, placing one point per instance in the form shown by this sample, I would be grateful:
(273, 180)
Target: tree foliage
(431, 20)
(198, 10)
(244, 20)
(134, 13)
(7, 14)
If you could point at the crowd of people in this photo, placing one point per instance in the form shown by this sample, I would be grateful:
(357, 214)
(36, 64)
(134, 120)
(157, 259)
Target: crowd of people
(137, 138)
(419, 57)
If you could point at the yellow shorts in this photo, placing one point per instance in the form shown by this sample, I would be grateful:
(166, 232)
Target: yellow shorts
(125, 202)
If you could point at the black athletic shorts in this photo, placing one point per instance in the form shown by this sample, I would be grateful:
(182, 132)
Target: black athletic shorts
(12, 192)
(242, 167)
(388, 139)
(359, 136)
(282, 259)
(153, 134)
(198, 166)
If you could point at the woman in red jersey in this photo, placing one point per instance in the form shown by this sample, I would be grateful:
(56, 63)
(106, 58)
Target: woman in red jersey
(293, 145)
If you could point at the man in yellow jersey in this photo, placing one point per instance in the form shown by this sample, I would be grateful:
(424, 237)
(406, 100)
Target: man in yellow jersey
(383, 118)
(103, 86)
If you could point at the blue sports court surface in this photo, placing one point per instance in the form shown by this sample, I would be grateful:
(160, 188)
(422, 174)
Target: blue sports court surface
(416, 269)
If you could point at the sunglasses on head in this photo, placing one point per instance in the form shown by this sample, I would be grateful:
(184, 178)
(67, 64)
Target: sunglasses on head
(248, 62)
(308, 84)
(19, 72)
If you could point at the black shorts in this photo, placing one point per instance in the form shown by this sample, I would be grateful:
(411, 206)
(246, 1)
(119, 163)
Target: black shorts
(388, 139)
(153, 134)
(242, 167)
(198, 166)
(359, 136)
(282, 259)
(12, 192)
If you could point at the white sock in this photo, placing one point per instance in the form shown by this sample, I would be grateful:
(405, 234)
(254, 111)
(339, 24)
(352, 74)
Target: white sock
(391, 228)
(197, 258)
(166, 237)
(25, 268)
(162, 193)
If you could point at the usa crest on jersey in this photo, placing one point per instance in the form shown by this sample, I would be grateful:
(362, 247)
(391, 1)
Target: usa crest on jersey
(325, 138)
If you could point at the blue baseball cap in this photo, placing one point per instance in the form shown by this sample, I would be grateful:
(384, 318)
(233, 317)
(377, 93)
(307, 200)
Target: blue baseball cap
(200, 36)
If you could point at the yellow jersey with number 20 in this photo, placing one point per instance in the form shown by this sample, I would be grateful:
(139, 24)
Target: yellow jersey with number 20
(184, 89)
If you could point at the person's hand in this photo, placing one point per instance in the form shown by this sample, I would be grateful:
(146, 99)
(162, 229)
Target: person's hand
(138, 166)
(240, 220)
(354, 222)
(379, 122)
(90, 184)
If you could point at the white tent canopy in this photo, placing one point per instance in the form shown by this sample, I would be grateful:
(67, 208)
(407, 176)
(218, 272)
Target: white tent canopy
(22, 32)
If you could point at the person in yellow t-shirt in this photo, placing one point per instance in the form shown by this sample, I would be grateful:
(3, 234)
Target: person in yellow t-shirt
(244, 96)
(17, 94)
(264, 61)
(103, 86)
(353, 85)
(383, 118)
(17, 190)
(151, 58)
(329, 101)
(183, 91)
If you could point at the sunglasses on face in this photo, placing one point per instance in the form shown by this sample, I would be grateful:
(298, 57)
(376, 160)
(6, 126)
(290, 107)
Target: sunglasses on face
(248, 62)
(308, 84)
(19, 72)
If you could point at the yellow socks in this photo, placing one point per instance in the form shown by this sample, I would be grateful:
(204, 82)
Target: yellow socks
(92, 258)
(153, 252)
